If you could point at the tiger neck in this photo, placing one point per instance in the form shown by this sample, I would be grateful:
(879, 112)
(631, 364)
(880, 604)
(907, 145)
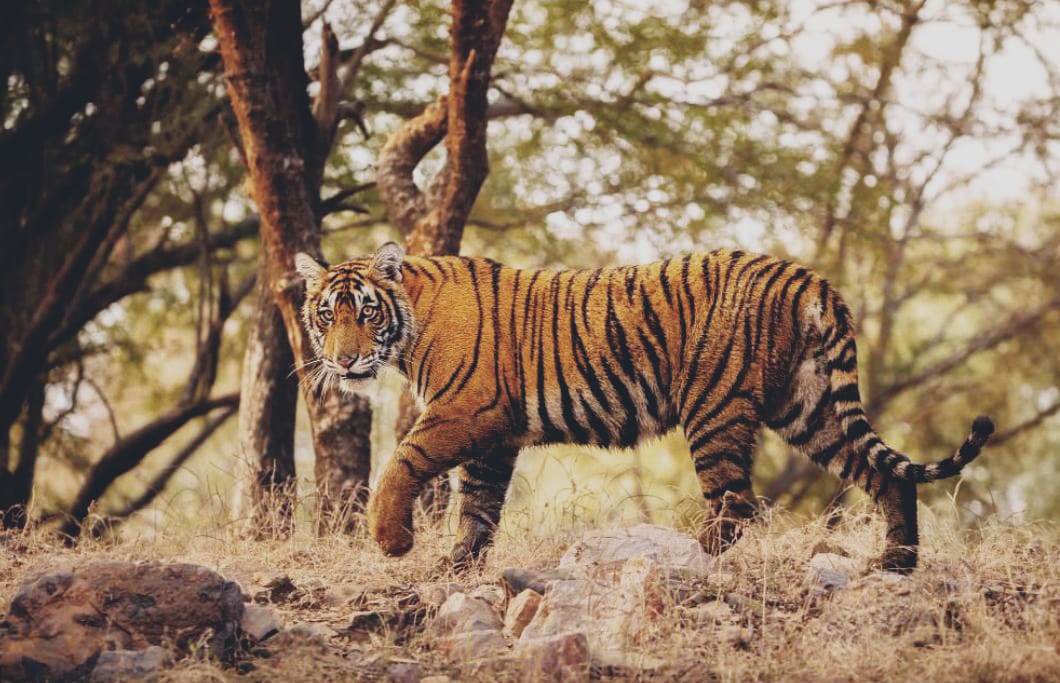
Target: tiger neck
(422, 278)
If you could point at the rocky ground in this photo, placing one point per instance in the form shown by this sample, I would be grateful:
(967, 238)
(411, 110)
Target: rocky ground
(644, 603)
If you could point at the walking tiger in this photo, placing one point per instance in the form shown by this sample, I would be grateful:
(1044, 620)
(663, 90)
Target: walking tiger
(718, 344)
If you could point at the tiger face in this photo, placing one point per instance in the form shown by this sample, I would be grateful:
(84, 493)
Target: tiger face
(357, 315)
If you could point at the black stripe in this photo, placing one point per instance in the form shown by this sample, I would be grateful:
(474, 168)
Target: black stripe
(567, 405)
(603, 435)
(548, 427)
(664, 280)
(628, 433)
(708, 461)
(735, 486)
(826, 454)
(478, 328)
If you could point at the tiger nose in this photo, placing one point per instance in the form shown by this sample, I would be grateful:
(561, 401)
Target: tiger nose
(347, 361)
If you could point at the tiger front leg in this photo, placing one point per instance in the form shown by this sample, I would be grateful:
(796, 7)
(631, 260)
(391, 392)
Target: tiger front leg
(413, 465)
(483, 488)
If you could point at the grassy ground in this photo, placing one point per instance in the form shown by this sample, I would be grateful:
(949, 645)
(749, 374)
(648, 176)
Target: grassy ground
(984, 605)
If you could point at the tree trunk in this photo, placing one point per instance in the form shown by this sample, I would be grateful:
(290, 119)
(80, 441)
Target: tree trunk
(269, 397)
(16, 486)
(261, 46)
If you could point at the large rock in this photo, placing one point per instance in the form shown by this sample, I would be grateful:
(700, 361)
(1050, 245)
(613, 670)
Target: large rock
(461, 613)
(521, 610)
(611, 608)
(664, 545)
(555, 658)
(62, 619)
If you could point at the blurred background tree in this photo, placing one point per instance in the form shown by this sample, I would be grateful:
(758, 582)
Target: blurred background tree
(909, 150)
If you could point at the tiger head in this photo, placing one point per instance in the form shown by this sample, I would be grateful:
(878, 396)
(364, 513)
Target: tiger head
(357, 315)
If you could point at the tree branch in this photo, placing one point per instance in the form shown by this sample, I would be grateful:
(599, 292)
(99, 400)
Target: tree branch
(127, 453)
(988, 340)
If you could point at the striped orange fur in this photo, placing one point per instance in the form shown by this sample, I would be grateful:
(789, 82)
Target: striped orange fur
(718, 344)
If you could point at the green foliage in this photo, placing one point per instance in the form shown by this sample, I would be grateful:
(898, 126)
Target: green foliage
(916, 178)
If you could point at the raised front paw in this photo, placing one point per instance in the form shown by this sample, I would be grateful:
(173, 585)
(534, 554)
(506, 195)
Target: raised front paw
(391, 529)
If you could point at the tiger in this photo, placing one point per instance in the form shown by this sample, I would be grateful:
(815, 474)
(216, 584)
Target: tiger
(719, 344)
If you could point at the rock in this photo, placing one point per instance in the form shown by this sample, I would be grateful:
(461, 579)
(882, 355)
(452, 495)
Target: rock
(476, 644)
(491, 594)
(435, 679)
(664, 545)
(519, 580)
(611, 610)
(462, 613)
(716, 612)
(521, 610)
(260, 623)
(560, 657)
(402, 623)
(737, 636)
(614, 663)
(571, 605)
(310, 630)
(434, 594)
(405, 672)
(129, 665)
(830, 572)
(61, 619)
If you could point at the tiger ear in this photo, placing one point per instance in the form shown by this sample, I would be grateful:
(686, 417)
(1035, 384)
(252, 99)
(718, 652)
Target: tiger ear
(387, 260)
(309, 268)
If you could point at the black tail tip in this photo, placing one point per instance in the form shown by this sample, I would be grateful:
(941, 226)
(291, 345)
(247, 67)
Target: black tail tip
(983, 426)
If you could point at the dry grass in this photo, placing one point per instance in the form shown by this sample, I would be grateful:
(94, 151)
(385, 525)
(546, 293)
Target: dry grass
(984, 605)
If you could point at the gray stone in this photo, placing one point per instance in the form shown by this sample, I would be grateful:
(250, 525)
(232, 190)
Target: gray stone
(129, 665)
(462, 613)
(477, 644)
(260, 623)
(537, 580)
(405, 672)
(831, 572)
(664, 545)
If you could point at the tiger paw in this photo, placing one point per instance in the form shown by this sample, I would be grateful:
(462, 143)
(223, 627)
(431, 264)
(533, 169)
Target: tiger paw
(391, 533)
(393, 541)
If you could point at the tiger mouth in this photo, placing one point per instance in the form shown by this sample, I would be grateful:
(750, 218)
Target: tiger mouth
(359, 375)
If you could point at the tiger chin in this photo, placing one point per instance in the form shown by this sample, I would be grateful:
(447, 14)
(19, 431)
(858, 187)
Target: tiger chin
(719, 345)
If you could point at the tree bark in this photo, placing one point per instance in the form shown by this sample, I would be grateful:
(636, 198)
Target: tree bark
(269, 397)
(261, 47)
(16, 487)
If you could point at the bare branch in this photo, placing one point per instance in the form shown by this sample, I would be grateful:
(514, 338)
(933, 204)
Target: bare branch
(1025, 426)
(158, 484)
(127, 453)
(403, 201)
(1014, 326)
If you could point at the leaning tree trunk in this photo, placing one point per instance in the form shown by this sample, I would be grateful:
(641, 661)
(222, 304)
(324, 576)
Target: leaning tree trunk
(261, 46)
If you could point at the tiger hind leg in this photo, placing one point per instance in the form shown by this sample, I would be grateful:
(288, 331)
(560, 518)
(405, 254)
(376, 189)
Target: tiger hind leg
(808, 421)
(722, 447)
(483, 488)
